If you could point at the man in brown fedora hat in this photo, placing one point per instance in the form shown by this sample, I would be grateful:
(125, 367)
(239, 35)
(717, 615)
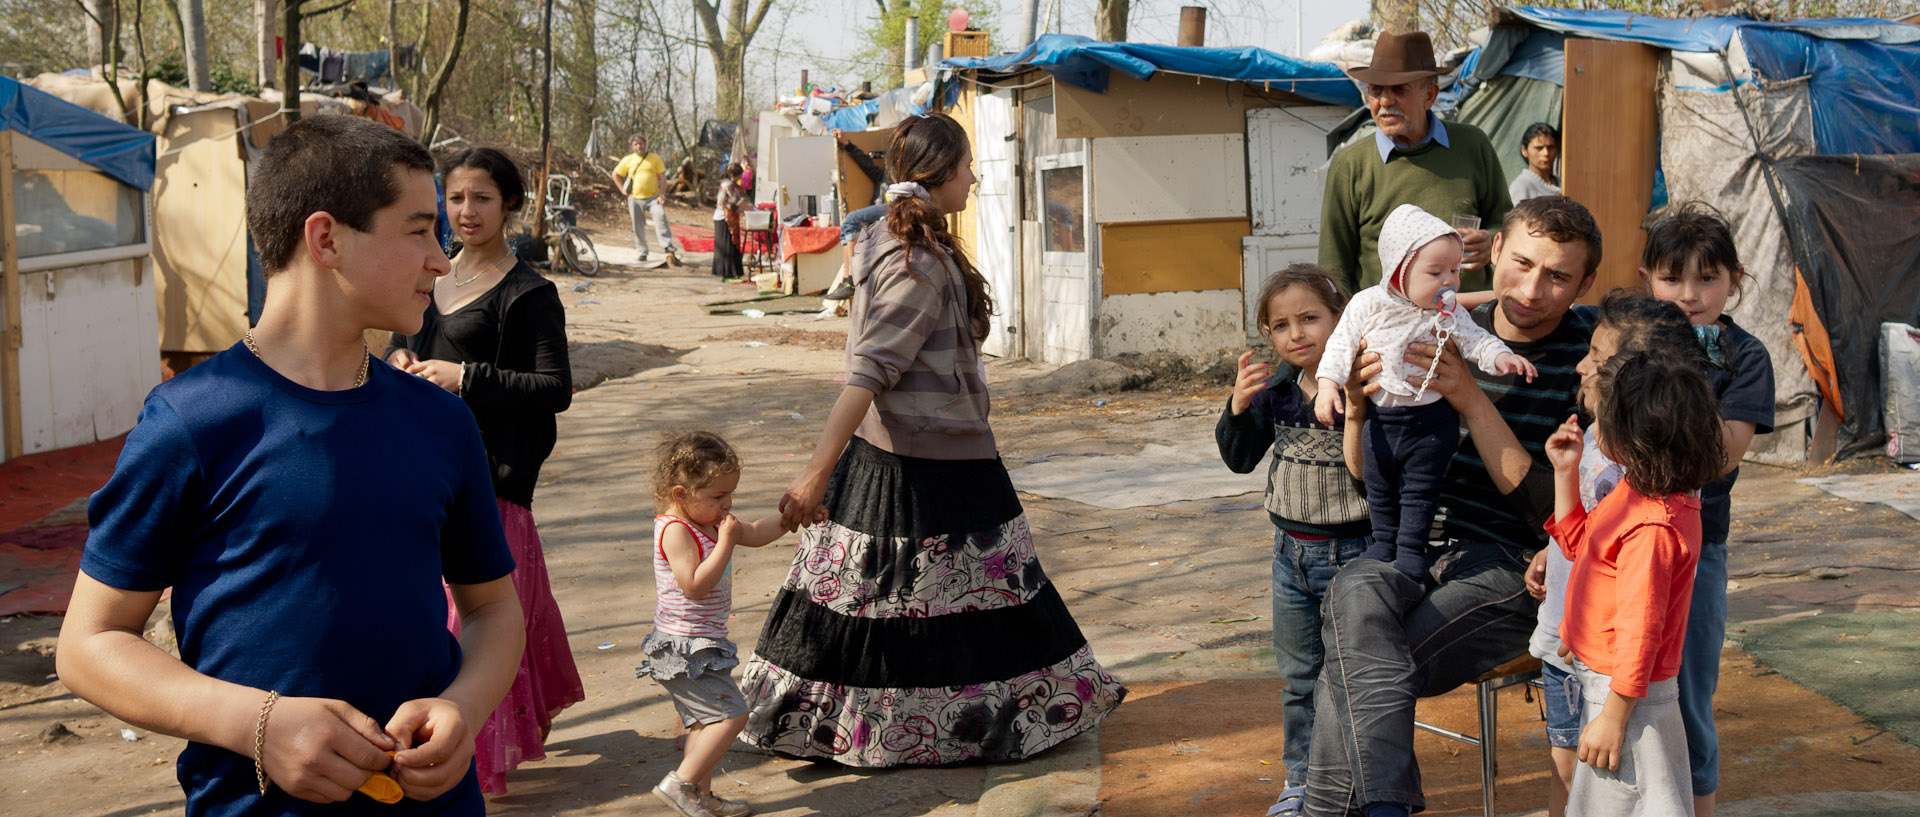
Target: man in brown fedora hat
(1447, 169)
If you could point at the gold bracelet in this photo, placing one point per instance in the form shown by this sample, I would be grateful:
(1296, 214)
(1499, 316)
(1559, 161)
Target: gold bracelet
(260, 741)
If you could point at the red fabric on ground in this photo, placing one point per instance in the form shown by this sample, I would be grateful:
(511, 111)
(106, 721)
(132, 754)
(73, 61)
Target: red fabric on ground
(40, 560)
(795, 240)
(691, 238)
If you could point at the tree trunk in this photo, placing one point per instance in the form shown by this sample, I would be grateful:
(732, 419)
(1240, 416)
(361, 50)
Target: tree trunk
(897, 54)
(1397, 16)
(103, 42)
(546, 119)
(729, 54)
(193, 44)
(1110, 21)
(290, 66)
(393, 42)
(440, 77)
(265, 14)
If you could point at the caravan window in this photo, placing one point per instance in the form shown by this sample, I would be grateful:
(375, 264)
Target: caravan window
(1064, 191)
(68, 211)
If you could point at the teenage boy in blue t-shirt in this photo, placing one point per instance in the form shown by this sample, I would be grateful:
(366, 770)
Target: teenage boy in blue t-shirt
(304, 501)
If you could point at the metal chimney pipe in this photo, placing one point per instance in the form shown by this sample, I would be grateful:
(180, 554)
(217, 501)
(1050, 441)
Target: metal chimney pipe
(1193, 26)
(803, 82)
(912, 47)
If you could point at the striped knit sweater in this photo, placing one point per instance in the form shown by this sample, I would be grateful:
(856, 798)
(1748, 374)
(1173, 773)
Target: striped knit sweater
(910, 345)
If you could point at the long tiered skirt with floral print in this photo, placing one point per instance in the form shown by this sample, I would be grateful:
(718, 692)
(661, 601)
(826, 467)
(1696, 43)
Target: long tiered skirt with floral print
(917, 628)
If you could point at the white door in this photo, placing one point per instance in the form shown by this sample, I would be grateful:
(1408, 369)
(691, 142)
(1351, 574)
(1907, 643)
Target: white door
(1066, 277)
(993, 158)
(1286, 167)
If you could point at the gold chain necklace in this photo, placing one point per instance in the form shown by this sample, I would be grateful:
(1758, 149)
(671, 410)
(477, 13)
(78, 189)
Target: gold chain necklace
(364, 356)
(494, 267)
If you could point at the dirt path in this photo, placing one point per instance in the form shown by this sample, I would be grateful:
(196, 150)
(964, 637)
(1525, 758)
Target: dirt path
(1174, 599)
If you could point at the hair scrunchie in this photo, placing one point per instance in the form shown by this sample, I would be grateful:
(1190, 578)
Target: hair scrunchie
(900, 190)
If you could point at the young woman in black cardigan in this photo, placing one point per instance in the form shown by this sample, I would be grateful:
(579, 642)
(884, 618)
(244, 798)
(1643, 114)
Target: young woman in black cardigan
(495, 334)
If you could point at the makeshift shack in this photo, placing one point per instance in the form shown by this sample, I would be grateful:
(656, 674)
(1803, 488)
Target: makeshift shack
(1133, 196)
(1802, 132)
(210, 286)
(78, 354)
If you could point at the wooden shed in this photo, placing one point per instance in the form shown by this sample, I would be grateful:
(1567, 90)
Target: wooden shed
(79, 352)
(1132, 196)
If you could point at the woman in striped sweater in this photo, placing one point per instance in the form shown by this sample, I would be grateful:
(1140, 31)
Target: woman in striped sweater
(916, 626)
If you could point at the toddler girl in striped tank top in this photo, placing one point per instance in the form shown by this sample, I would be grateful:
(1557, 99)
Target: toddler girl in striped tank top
(688, 651)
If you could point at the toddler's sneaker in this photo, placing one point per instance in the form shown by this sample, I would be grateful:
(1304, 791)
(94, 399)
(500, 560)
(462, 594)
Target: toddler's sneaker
(683, 796)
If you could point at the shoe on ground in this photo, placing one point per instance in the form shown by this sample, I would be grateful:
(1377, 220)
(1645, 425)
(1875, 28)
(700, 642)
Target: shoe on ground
(684, 797)
(722, 807)
(1292, 802)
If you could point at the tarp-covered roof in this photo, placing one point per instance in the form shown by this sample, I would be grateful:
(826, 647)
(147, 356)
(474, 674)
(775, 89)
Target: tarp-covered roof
(1086, 63)
(1705, 33)
(1863, 72)
(118, 150)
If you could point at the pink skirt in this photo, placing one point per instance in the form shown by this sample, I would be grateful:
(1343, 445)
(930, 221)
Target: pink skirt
(547, 681)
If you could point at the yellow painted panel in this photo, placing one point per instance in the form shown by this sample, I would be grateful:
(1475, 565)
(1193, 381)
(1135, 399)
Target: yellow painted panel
(1165, 105)
(1171, 256)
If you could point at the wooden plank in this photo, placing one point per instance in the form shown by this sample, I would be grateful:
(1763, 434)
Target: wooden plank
(856, 190)
(1162, 106)
(9, 291)
(1611, 143)
(1171, 256)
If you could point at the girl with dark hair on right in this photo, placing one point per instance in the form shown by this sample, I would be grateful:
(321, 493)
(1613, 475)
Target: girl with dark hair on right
(726, 225)
(916, 626)
(1540, 146)
(1633, 562)
(495, 334)
(1691, 262)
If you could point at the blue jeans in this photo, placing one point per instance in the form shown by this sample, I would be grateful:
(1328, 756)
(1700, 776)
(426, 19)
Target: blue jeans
(1302, 569)
(1700, 666)
(1390, 640)
(1561, 692)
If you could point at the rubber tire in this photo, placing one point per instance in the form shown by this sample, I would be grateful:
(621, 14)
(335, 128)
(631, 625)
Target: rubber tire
(577, 251)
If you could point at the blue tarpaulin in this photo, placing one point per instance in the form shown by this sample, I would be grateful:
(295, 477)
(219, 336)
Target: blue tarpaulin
(118, 150)
(1863, 92)
(1086, 63)
(1864, 74)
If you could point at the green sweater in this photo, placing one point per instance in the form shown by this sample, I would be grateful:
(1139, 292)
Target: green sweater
(1361, 191)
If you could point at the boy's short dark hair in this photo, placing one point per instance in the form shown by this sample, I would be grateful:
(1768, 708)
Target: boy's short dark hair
(1559, 218)
(340, 165)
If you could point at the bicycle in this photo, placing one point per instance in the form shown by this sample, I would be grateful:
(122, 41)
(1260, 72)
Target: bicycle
(572, 246)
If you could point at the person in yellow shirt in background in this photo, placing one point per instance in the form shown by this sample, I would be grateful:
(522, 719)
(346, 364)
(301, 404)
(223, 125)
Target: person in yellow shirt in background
(639, 175)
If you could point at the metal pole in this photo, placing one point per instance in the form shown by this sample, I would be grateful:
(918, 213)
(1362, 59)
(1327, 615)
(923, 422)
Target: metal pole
(911, 49)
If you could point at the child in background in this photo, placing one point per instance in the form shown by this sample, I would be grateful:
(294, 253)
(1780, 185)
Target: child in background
(1318, 507)
(1410, 434)
(1632, 577)
(1628, 324)
(1690, 261)
(688, 651)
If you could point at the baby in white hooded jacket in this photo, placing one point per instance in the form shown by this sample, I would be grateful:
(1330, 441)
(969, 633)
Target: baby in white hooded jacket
(1411, 434)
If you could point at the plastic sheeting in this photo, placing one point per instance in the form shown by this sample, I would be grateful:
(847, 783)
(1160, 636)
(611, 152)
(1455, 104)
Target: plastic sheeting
(1504, 108)
(1860, 272)
(1087, 63)
(1708, 155)
(1863, 91)
(118, 150)
(1704, 33)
